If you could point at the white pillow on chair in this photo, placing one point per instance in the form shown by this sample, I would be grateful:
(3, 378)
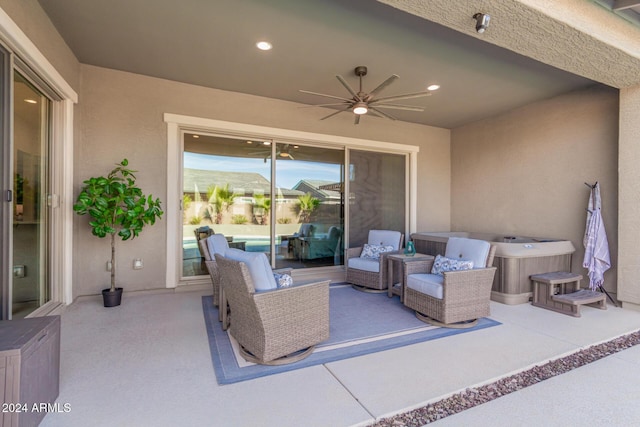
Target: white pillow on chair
(259, 268)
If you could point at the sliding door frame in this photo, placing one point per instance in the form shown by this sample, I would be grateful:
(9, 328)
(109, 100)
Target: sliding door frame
(30, 60)
(178, 124)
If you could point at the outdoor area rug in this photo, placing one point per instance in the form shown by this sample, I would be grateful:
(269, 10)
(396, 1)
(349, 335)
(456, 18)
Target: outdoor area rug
(360, 323)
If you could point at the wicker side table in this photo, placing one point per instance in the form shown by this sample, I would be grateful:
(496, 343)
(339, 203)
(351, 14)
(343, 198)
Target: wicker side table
(395, 288)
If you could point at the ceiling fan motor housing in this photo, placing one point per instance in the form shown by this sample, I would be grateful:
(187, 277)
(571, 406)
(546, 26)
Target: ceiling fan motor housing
(361, 70)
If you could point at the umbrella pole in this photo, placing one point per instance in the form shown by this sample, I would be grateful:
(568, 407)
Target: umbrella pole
(602, 289)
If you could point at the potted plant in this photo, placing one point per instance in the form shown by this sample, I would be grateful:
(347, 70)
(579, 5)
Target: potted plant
(117, 207)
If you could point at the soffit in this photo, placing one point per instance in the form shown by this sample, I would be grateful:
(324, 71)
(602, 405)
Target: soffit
(212, 44)
(578, 36)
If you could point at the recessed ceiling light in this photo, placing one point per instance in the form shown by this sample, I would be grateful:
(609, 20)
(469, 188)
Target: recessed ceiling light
(249, 142)
(266, 143)
(31, 101)
(264, 45)
(433, 87)
(196, 136)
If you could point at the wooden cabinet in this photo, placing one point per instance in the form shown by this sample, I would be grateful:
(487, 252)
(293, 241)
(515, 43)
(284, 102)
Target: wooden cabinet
(29, 369)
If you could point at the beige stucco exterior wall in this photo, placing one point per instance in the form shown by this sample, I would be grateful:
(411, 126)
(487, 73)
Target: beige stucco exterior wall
(523, 173)
(122, 116)
(629, 204)
(32, 20)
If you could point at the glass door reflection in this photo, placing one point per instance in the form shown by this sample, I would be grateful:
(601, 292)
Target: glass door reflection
(30, 284)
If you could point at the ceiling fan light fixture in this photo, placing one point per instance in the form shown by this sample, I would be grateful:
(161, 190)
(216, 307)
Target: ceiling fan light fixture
(264, 45)
(433, 87)
(360, 108)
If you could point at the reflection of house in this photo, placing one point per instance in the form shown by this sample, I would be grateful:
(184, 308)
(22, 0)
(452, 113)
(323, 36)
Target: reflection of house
(245, 185)
(318, 189)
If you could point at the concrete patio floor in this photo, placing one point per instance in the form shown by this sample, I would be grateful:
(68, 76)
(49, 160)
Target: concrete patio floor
(147, 363)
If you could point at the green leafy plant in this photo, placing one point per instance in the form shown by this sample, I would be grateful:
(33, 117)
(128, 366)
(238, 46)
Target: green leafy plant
(261, 208)
(220, 200)
(117, 208)
(239, 219)
(195, 220)
(284, 220)
(307, 204)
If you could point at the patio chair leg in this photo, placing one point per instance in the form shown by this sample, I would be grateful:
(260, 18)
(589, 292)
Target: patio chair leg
(458, 325)
(284, 360)
(368, 290)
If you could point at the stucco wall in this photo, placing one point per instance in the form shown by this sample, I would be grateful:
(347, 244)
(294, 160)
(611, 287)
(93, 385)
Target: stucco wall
(629, 226)
(523, 173)
(35, 23)
(122, 116)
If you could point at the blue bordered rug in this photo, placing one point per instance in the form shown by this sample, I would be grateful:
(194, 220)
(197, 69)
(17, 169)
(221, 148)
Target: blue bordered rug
(360, 323)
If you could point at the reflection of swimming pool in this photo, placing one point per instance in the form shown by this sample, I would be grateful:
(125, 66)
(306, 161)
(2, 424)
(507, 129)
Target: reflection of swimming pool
(254, 243)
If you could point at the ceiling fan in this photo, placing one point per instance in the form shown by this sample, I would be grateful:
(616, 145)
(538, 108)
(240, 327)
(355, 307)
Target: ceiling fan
(362, 102)
(283, 151)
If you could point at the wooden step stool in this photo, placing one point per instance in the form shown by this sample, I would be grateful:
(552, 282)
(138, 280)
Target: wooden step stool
(560, 291)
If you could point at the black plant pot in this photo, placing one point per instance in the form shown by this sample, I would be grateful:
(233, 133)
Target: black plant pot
(112, 299)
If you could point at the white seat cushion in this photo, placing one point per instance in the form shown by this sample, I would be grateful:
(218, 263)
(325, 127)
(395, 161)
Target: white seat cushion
(469, 249)
(385, 238)
(259, 268)
(217, 244)
(366, 264)
(428, 284)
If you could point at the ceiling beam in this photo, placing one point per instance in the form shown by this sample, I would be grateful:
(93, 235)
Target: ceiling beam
(624, 4)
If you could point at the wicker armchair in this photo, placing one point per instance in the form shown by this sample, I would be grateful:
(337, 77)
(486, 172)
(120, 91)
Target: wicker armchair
(277, 326)
(371, 275)
(455, 299)
(215, 243)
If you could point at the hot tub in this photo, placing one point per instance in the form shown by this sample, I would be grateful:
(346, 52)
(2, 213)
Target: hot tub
(516, 259)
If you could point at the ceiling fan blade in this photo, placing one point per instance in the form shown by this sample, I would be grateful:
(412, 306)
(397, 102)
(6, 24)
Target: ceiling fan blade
(382, 113)
(405, 96)
(326, 105)
(326, 96)
(333, 114)
(400, 107)
(349, 88)
(382, 85)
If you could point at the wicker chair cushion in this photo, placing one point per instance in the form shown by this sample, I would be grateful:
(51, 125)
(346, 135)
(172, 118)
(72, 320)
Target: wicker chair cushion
(259, 268)
(469, 249)
(385, 237)
(366, 264)
(442, 264)
(428, 284)
(217, 244)
(374, 251)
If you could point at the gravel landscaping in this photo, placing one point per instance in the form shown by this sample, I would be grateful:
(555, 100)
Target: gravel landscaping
(476, 396)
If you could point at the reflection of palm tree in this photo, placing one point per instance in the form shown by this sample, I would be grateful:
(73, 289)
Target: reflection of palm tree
(261, 207)
(307, 204)
(220, 200)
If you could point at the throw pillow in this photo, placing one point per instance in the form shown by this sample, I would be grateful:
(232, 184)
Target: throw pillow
(374, 251)
(283, 280)
(442, 264)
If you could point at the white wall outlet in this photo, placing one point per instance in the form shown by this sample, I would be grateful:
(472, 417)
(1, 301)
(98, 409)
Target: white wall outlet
(108, 265)
(138, 264)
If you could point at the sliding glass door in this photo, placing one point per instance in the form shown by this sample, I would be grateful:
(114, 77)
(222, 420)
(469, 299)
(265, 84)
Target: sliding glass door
(29, 285)
(309, 211)
(377, 193)
(291, 209)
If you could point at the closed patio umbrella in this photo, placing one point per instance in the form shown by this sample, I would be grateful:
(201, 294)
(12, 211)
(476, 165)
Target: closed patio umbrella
(596, 255)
